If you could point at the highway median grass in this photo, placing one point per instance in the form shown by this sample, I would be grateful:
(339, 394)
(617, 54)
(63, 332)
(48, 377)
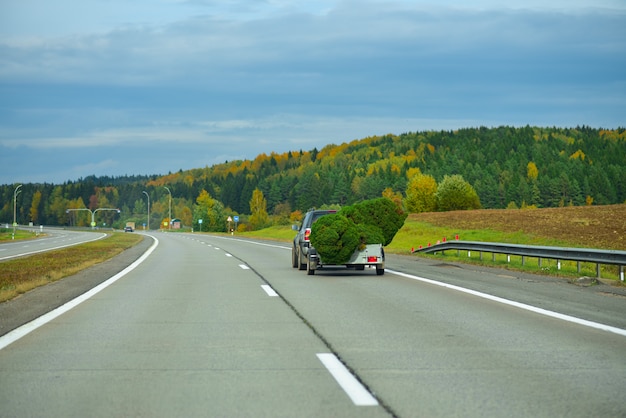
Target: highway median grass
(26, 273)
(6, 234)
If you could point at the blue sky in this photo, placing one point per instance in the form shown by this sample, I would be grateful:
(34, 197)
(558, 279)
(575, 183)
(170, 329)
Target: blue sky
(112, 87)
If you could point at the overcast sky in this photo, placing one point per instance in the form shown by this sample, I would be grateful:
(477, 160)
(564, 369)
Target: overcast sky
(117, 87)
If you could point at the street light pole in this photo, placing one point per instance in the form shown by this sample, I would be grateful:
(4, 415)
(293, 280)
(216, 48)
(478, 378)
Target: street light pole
(15, 193)
(170, 223)
(74, 210)
(93, 213)
(146, 193)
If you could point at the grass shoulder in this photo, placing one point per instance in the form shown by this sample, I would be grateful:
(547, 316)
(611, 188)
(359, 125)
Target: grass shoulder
(599, 227)
(6, 235)
(415, 233)
(282, 233)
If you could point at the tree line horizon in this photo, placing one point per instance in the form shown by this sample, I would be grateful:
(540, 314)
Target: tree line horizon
(504, 167)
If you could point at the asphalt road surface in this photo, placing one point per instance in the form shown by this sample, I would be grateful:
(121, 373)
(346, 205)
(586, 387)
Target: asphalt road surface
(54, 238)
(214, 326)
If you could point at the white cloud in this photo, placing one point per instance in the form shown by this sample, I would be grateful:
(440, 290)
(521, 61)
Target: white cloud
(214, 76)
(217, 53)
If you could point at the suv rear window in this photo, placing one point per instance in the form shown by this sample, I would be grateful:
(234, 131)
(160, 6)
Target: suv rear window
(316, 216)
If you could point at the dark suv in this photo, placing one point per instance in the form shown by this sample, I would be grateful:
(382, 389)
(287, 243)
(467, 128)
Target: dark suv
(301, 242)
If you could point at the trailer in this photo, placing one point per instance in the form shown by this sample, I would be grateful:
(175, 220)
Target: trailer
(304, 256)
(372, 256)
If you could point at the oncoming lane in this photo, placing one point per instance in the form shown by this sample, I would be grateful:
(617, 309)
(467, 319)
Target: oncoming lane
(53, 240)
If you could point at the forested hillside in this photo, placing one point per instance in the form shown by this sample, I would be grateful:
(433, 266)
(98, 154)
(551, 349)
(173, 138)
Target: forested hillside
(506, 166)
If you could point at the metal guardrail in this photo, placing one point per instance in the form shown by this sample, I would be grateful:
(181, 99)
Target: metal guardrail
(585, 255)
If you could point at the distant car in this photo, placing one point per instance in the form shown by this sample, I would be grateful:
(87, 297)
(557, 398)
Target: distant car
(128, 229)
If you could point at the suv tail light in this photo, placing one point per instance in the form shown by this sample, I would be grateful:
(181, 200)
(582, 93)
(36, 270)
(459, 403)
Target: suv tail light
(307, 232)
(372, 259)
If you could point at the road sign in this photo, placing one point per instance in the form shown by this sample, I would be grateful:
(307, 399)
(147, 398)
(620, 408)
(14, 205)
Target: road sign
(236, 218)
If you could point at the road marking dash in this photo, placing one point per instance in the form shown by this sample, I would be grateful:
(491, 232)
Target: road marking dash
(353, 388)
(268, 289)
(243, 266)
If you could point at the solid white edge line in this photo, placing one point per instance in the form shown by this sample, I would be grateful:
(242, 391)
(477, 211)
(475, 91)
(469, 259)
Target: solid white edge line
(519, 305)
(51, 249)
(268, 289)
(25, 329)
(530, 308)
(353, 388)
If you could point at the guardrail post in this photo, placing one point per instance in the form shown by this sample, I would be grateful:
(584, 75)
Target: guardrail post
(558, 264)
(493, 257)
(578, 266)
(539, 262)
(523, 260)
(598, 270)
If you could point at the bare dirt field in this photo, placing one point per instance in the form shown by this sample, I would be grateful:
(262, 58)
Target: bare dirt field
(589, 226)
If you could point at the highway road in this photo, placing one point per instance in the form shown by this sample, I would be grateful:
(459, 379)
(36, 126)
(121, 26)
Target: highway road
(52, 239)
(217, 326)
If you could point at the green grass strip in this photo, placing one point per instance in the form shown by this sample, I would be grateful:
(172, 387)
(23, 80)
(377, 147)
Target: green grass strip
(26, 273)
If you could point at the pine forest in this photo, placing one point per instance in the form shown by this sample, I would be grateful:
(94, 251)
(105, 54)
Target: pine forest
(504, 167)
